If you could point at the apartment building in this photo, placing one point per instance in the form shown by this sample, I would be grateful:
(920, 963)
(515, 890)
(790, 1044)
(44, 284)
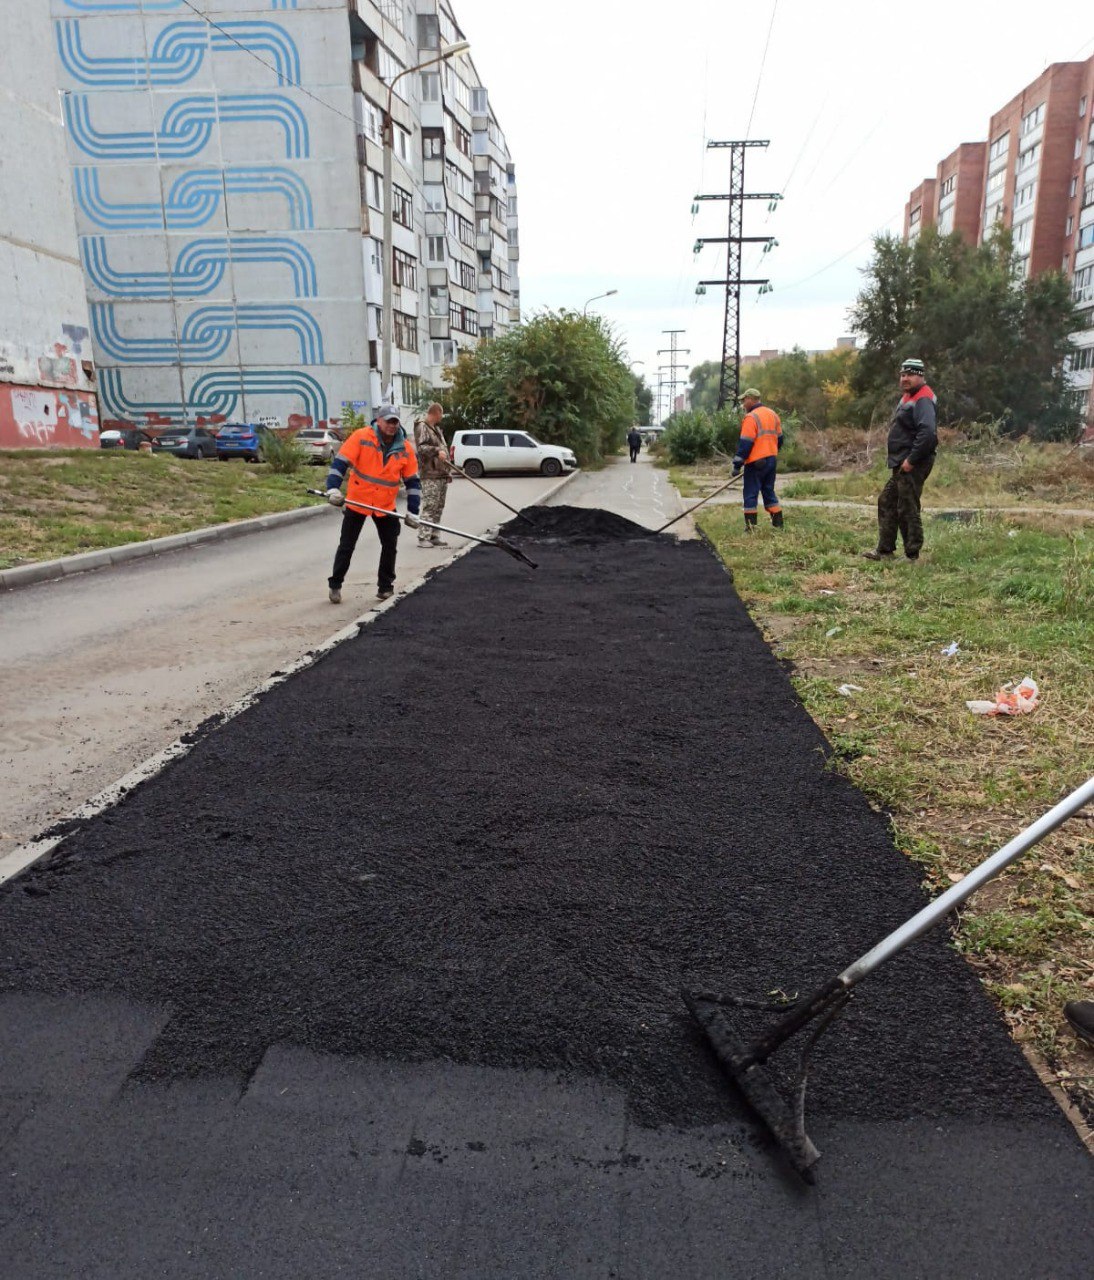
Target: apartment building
(1035, 176)
(47, 382)
(227, 165)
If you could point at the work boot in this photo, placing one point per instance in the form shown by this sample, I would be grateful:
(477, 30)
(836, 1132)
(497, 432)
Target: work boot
(384, 593)
(877, 555)
(334, 595)
(1080, 1016)
(750, 521)
(776, 520)
(438, 542)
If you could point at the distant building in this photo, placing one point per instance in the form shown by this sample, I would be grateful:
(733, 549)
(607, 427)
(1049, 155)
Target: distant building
(47, 380)
(1035, 175)
(227, 164)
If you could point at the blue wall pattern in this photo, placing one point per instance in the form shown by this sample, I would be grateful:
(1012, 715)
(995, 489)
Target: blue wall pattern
(194, 198)
(166, 167)
(177, 53)
(187, 126)
(199, 268)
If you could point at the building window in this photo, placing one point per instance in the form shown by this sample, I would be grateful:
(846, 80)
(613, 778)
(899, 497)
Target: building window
(1073, 188)
(442, 352)
(412, 388)
(435, 249)
(467, 276)
(1088, 194)
(1024, 195)
(1023, 233)
(402, 207)
(465, 231)
(1078, 147)
(431, 86)
(389, 68)
(1086, 237)
(1027, 159)
(479, 105)
(432, 144)
(466, 319)
(949, 184)
(406, 331)
(392, 10)
(401, 143)
(433, 193)
(372, 120)
(404, 271)
(1082, 106)
(374, 191)
(438, 300)
(999, 147)
(429, 31)
(995, 182)
(1033, 118)
(914, 216)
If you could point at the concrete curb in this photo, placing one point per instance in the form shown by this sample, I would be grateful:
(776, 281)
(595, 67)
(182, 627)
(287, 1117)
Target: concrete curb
(28, 574)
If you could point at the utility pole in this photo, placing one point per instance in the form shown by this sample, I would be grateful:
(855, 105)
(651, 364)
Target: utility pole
(733, 240)
(672, 351)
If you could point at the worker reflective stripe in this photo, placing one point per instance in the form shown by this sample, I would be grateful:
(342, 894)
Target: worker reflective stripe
(370, 479)
(765, 426)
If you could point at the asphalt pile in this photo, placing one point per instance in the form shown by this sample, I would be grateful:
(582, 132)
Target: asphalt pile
(503, 826)
(575, 524)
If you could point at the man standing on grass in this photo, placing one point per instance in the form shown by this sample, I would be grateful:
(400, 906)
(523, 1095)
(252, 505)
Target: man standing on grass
(913, 441)
(434, 470)
(377, 459)
(758, 452)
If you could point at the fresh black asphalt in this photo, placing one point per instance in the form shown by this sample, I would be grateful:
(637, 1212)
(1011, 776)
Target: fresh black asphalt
(382, 978)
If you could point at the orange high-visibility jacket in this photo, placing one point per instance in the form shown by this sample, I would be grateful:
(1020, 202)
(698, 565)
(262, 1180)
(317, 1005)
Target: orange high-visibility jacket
(374, 479)
(764, 428)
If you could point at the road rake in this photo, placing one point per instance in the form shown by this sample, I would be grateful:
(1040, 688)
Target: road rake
(746, 1062)
(500, 543)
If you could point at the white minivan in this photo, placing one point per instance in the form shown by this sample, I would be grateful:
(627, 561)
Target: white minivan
(480, 451)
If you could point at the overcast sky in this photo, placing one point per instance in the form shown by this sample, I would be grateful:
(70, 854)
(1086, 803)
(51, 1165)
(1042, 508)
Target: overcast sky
(607, 106)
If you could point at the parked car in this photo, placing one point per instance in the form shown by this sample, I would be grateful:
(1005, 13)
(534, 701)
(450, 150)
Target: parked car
(124, 438)
(480, 451)
(240, 440)
(319, 444)
(186, 442)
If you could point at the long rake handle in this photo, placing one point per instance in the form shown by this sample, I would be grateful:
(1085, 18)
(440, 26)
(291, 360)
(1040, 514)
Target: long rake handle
(944, 903)
(720, 489)
(461, 472)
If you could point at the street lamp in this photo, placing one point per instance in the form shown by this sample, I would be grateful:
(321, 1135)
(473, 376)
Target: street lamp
(609, 294)
(387, 316)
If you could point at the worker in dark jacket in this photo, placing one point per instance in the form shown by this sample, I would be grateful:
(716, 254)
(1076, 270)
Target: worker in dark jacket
(913, 441)
(758, 452)
(634, 442)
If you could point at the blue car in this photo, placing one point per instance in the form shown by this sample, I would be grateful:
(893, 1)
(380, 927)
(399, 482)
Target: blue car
(239, 440)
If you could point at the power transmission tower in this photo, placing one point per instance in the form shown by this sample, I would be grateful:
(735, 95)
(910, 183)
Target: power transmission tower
(672, 351)
(736, 195)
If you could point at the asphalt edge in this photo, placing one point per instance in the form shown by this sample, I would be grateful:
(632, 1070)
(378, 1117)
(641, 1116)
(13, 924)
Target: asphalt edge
(26, 855)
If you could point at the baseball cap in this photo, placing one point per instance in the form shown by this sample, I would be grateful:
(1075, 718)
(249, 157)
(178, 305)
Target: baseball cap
(386, 411)
(750, 393)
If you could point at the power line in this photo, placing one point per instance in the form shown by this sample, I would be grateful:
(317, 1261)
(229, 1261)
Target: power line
(760, 73)
(835, 261)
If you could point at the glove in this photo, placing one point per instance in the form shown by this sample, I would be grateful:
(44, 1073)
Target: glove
(412, 521)
(737, 464)
(335, 498)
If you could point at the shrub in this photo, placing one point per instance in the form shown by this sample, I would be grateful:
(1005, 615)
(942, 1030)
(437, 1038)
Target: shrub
(281, 453)
(688, 437)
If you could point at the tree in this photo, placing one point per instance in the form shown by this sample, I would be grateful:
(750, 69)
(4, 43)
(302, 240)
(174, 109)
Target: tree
(703, 384)
(560, 375)
(643, 401)
(995, 344)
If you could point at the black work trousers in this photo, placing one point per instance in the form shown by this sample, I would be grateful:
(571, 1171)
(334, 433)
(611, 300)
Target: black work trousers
(352, 523)
(898, 509)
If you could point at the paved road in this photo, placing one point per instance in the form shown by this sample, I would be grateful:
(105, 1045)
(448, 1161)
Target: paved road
(640, 491)
(334, 1163)
(100, 671)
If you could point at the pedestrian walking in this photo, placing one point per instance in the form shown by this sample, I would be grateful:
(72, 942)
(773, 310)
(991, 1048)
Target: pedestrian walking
(758, 452)
(912, 444)
(436, 475)
(376, 459)
(634, 442)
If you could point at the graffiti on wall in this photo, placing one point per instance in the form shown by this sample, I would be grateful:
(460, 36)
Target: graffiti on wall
(42, 418)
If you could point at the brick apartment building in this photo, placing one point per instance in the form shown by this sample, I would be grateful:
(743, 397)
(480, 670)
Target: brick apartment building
(1035, 175)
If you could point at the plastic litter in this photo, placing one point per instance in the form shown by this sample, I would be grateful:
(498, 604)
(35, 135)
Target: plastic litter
(832, 631)
(951, 650)
(1010, 700)
(849, 690)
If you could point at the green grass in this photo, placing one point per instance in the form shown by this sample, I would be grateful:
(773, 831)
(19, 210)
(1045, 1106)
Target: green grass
(1017, 594)
(60, 502)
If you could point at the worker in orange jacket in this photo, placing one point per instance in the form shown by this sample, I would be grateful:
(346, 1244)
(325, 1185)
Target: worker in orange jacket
(377, 460)
(758, 452)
